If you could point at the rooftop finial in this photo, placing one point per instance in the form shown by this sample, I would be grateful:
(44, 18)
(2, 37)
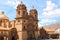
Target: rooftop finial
(33, 7)
(21, 2)
(2, 12)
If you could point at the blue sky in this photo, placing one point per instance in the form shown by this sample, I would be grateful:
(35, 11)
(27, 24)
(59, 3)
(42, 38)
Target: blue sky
(48, 10)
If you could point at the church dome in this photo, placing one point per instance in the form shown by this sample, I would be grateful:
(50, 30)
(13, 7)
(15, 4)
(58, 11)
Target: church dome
(21, 6)
(33, 10)
(3, 16)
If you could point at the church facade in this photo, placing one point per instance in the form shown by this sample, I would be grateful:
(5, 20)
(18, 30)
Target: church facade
(24, 27)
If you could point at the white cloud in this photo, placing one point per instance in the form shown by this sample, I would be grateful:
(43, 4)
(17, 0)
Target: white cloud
(12, 3)
(50, 6)
(40, 25)
(51, 10)
(51, 14)
(43, 21)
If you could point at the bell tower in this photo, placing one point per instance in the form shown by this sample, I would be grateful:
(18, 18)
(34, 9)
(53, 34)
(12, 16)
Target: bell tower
(21, 21)
(33, 13)
(21, 11)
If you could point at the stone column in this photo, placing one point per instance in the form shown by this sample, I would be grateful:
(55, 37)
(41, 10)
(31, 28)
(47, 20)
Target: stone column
(5, 38)
(59, 36)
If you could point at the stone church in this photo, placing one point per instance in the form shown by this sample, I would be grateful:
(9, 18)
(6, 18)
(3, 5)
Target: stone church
(24, 27)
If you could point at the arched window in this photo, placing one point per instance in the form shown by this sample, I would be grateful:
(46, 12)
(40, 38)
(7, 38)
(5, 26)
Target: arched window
(23, 11)
(13, 34)
(18, 12)
(2, 38)
(18, 20)
(24, 20)
(35, 15)
(23, 27)
(5, 25)
(10, 25)
(0, 22)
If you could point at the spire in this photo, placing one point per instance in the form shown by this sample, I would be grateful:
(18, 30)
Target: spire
(21, 2)
(21, 6)
(33, 7)
(2, 12)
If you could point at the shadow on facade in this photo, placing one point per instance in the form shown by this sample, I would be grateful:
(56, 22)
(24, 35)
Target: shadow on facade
(13, 34)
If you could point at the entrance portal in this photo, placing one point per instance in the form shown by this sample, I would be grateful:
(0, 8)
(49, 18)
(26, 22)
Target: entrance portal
(13, 38)
(1, 38)
(13, 34)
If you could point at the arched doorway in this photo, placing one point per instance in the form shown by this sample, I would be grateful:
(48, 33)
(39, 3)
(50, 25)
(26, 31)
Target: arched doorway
(1, 38)
(13, 34)
(13, 38)
(31, 32)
